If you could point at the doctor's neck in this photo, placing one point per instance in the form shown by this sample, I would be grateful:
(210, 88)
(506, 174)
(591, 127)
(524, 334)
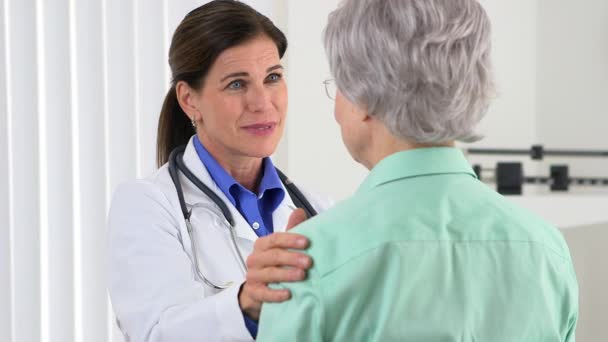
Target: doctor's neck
(246, 170)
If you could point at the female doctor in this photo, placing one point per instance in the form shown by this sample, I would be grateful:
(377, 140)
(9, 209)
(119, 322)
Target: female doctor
(194, 245)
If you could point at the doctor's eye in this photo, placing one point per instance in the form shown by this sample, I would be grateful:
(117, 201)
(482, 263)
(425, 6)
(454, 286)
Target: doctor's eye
(236, 85)
(273, 78)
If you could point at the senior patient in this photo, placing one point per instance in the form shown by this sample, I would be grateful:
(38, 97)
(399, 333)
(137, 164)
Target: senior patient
(423, 251)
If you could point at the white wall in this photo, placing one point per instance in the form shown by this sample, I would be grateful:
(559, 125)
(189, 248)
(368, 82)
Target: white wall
(573, 80)
(316, 157)
(511, 119)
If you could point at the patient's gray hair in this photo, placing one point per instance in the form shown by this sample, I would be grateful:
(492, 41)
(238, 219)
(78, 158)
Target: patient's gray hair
(421, 66)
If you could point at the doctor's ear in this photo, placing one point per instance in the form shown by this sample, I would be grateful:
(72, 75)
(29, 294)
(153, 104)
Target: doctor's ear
(187, 99)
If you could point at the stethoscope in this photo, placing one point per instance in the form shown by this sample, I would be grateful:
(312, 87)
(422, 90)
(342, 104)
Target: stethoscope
(176, 164)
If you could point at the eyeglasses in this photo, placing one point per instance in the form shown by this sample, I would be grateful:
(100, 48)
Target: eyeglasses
(330, 88)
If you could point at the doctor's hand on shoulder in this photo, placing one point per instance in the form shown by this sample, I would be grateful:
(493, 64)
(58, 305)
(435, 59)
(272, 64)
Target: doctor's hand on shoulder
(266, 264)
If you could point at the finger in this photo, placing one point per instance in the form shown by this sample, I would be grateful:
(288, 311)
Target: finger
(281, 240)
(276, 275)
(263, 293)
(278, 257)
(297, 216)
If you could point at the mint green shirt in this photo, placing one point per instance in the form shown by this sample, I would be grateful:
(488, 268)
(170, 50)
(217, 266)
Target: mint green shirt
(426, 252)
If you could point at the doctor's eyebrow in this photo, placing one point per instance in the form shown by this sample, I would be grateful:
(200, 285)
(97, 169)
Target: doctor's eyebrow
(245, 74)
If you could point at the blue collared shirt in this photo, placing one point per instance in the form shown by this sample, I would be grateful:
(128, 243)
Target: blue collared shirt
(257, 209)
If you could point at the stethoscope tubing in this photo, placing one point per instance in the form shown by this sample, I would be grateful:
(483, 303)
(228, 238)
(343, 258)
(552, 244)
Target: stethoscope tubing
(176, 164)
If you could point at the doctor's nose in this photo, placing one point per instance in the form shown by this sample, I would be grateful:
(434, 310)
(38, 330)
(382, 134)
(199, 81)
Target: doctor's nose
(258, 99)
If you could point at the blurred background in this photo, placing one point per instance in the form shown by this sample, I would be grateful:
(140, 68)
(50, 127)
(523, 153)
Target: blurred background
(81, 86)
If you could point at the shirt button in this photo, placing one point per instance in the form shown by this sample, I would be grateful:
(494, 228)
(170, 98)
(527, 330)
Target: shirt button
(256, 225)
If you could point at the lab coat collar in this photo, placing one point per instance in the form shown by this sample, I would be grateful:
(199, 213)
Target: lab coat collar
(416, 163)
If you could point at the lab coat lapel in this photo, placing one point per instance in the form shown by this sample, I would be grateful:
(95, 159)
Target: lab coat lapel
(193, 195)
(280, 216)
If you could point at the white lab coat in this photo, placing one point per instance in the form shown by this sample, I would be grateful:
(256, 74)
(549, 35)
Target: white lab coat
(153, 287)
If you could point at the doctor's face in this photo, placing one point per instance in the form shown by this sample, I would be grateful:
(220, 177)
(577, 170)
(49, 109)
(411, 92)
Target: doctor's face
(243, 101)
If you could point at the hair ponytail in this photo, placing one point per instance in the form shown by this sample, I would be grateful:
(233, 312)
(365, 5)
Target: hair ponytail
(174, 128)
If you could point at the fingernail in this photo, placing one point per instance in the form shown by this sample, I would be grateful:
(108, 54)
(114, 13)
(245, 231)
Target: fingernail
(301, 242)
(298, 274)
(303, 261)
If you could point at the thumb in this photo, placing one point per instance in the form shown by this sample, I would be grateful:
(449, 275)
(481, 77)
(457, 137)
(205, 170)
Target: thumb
(297, 216)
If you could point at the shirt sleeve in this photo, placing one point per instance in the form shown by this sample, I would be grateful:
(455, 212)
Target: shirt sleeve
(251, 325)
(298, 319)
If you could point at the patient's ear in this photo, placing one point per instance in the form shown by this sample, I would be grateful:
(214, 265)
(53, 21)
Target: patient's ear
(360, 113)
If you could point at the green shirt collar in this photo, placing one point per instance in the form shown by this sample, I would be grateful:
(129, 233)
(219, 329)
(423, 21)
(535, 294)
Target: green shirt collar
(415, 163)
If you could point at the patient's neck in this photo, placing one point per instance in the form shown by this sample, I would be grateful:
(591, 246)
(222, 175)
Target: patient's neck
(384, 144)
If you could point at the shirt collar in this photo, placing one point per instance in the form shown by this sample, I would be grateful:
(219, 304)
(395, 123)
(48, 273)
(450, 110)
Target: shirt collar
(416, 163)
(229, 186)
(270, 179)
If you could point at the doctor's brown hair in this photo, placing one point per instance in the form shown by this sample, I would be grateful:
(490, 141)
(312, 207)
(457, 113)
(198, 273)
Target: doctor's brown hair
(199, 39)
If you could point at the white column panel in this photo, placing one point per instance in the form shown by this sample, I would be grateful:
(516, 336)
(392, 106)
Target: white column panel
(58, 178)
(120, 91)
(151, 86)
(90, 234)
(23, 163)
(121, 128)
(5, 237)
